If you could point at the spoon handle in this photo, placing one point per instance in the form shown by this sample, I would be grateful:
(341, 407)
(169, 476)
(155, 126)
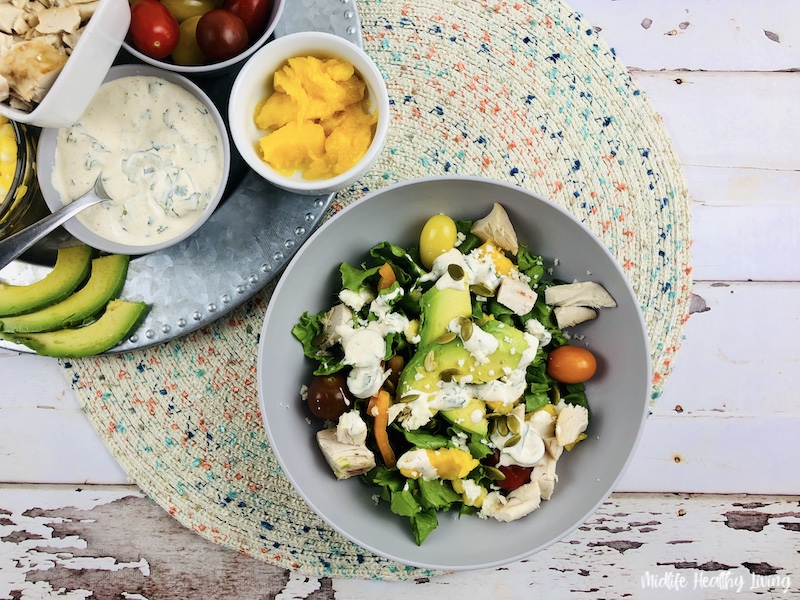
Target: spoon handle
(14, 245)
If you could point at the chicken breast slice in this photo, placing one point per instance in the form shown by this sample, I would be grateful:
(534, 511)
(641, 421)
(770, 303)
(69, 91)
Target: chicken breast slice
(583, 293)
(572, 421)
(346, 460)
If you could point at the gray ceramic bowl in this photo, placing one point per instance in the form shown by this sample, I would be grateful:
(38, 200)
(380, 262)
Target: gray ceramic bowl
(618, 394)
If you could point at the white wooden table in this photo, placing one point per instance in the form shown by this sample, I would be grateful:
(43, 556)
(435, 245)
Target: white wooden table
(710, 507)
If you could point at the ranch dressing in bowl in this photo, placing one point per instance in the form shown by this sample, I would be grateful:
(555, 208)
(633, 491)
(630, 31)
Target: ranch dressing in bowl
(159, 152)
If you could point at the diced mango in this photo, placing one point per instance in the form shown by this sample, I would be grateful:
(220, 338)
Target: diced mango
(327, 93)
(452, 463)
(501, 262)
(276, 111)
(289, 148)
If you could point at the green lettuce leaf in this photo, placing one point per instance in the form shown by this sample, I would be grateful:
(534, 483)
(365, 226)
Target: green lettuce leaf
(306, 330)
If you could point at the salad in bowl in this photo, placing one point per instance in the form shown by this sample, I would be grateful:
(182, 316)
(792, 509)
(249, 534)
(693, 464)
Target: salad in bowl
(379, 405)
(446, 377)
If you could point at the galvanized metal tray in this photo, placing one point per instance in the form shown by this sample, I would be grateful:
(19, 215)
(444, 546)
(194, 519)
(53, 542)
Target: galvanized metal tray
(247, 241)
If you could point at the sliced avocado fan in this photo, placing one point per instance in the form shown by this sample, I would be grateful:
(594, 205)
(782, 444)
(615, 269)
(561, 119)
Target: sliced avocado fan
(105, 283)
(119, 318)
(71, 268)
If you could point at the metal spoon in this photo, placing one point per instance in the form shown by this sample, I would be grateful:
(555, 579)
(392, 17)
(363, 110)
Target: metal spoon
(14, 245)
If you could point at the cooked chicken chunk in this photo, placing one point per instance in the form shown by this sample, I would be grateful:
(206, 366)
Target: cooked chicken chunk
(584, 293)
(496, 227)
(572, 421)
(544, 473)
(522, 501)
(568, 316)
(346, 460)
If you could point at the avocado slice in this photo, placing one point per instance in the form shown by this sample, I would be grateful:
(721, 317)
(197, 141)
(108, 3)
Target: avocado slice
(452, 357)
(114, 324)
(71, 268)
(439, 307)
(105, 283)
(465, 417)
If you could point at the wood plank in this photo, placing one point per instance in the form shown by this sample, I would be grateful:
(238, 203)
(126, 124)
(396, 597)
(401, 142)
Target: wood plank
(724, 35)
(739, 356)
(718, 454)
(744, 120)
(746, 243)
(67, 542)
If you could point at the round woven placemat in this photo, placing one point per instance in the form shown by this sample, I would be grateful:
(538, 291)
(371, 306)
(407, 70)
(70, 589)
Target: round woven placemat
(523, 92)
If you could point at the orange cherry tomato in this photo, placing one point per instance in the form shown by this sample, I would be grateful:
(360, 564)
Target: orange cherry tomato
(571, 364)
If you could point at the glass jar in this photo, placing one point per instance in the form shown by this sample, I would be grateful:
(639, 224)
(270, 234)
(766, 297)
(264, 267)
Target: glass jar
(23, 203)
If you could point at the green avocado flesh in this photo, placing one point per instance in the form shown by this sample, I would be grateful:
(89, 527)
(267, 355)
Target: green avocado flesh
(452, 357)
(114, 324)
(465, 417)
(71, 268)
(439, 307)
(105, 283)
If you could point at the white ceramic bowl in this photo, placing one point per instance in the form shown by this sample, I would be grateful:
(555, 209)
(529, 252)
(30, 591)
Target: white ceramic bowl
(218, 68)
(84, 70)
(254, 83)
(47, 160)
(618, 394)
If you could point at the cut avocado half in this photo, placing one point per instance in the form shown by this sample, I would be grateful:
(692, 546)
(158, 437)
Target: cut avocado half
(71, 268)
(104, 284)
(425, 370)
(119, 318)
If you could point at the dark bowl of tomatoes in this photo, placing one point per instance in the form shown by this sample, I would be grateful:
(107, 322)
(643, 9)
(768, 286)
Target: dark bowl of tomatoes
(200, 37)
(298, 392)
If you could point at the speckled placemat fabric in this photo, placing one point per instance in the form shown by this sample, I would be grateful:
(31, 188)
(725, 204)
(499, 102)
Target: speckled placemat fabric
(525, 92)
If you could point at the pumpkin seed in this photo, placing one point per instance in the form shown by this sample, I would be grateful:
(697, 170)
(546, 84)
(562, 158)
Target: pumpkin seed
(430, 362)
(555, 395)
(481, 290)
(408, 398)
(456, 272)
(447, 374)
(494, 473)
(513, 424)
(446, 338)
(502, 425)
(512, 441)
(466, 330)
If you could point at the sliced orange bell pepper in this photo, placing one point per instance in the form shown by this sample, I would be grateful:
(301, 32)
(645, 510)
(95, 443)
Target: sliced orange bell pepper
(378, 407)
(387, 277)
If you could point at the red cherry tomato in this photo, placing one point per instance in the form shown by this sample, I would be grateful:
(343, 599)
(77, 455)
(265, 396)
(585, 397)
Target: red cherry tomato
(328, 396)
(571, 364)
(221, 35)
(516, 476)
(153, 30)
(253, 13)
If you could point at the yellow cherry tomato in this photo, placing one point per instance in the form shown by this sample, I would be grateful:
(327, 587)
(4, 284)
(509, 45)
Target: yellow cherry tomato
(187, 52)
(437, 237)
(184, 9)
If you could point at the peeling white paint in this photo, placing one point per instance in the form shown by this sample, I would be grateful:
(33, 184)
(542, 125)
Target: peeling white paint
(298, 587)
(38, 550)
